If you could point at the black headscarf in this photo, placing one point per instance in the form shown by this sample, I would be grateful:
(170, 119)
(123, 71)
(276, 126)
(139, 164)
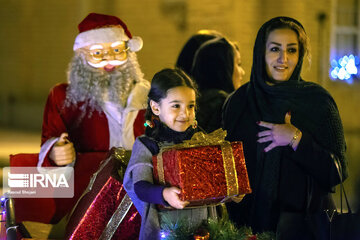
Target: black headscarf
(312, 107)
(213, 65)
(312, 110)
(186, 56)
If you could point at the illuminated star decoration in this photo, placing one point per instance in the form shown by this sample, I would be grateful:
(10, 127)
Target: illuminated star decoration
(345, 69)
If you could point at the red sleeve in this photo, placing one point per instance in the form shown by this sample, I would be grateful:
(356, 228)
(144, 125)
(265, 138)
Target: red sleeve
(53, 123)
(139, 128)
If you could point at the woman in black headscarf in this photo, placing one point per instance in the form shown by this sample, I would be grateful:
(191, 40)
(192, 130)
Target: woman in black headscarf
(217, 71)
(292, 133)
(187, 53)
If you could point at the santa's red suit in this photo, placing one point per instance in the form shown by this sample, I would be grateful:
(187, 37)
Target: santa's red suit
(99, 131)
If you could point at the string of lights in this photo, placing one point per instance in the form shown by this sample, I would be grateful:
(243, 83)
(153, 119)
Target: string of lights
(345, 68)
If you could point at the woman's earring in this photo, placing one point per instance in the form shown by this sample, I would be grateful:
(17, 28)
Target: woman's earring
(149, 124)
(195, 124)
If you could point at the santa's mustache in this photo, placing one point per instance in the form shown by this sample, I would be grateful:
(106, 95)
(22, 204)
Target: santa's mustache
(105, 62)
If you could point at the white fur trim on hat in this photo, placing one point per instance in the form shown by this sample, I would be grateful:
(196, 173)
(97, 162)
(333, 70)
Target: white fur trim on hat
(135, 44)
(100, 35)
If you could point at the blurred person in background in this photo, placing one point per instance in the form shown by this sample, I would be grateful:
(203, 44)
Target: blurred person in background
(187, 53)
(217, 70)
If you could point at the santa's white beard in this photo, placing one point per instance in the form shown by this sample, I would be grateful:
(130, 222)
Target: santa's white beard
(93, 86)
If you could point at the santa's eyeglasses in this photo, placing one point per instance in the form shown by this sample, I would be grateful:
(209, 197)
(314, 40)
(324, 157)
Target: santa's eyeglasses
(101, 52)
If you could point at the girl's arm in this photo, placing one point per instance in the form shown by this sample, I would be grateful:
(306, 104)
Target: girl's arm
(149, 192)
(139, 180)
(157, 194)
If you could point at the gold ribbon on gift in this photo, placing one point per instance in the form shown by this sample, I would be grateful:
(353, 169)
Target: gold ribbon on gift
(230, 169)
(121, 155)
(160, 168)
(200, 139)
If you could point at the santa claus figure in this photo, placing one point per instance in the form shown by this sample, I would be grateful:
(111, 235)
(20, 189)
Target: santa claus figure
(101, 105)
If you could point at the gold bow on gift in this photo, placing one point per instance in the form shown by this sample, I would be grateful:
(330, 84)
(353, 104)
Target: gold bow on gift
(200, 139)
(122, 156)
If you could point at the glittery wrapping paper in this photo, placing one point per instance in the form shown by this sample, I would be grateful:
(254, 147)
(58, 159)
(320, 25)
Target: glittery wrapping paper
(200, 173)
(97, 207)
(52, 210)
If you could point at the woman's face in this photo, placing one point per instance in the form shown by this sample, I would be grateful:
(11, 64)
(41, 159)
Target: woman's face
(281, 54)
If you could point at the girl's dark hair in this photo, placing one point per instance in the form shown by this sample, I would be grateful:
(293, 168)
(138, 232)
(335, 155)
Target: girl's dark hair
(162, 82)
(213, 65)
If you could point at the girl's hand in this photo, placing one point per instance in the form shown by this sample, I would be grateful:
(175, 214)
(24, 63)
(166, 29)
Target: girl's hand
(279, 134)
(63, 152)
(171, 195)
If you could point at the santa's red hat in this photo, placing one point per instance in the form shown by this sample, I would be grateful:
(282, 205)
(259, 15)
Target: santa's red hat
(101, 28)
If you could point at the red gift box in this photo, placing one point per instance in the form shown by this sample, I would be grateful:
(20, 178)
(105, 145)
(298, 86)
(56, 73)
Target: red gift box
(51, 210)
(105, 211)
(206, 169)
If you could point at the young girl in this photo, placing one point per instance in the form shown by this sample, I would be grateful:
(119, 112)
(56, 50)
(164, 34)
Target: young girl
(170, 120)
